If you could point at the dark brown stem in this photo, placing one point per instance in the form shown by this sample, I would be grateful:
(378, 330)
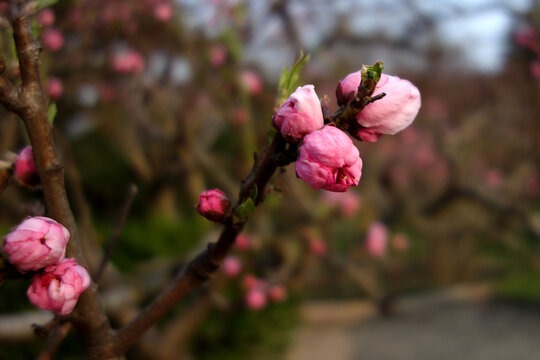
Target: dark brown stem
(29, 102)
(206, 263)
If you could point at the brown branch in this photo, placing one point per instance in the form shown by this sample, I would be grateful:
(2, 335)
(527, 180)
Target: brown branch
(206, 263)
(31, 105)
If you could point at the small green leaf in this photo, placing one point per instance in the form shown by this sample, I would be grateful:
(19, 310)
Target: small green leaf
(51, 112)
(245, 209)
(254, 192)
(372, 72)
(288, 81)
(45, 3)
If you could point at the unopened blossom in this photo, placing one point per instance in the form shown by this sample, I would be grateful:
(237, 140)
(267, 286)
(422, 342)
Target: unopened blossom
(300, 115)
(46, 17)
(388, 115)
(129, 61)
(213, 204)
(36, 243)
(58, 287)
(25, 168)
(376, 239)
(251, 81)
(317, 247)
(255, 299)
(329, 160)
(218, 55)
(54, 88)
(242, 242)
(347, 202)
(163, 11)
(52, 39)
(232, 266)
(277, 293)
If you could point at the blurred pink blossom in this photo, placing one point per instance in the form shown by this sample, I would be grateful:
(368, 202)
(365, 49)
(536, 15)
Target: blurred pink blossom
(25, 168)
(251, 81)
(129, 61)
(400, 242)
(242, 242)
(277, 293)
(494, 178)
(526, 37)
(535, 69)
(348, 202)
(46, 17)
(54, 88)
(218, 55)
(232, 266)
(255, 299)
(59, 286)
(317, 247)
(376, 239)
(52, 39)
(163, 11)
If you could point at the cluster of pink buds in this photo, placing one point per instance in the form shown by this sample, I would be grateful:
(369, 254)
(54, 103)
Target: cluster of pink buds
(377, 241)
(328, 159)
(258, 292)
(39, 244)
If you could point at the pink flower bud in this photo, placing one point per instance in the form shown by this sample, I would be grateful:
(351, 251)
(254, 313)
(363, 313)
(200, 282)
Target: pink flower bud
(25, 168)
(251, 82)
(400, 242)
(376, 239)
(232, 266)
(249, 281)
(348, 202)
(127, 62)
(242, 242)
(329, 160)
(218, 55)
(317, 247)
(36, 243)
(388, 115)
(277, 293)
(163, 12)
(213, 204)
(46, 17)
(255, 299)
(300, 115)
(535, 69)
(52, 39)
(58, 287)
(54, 88)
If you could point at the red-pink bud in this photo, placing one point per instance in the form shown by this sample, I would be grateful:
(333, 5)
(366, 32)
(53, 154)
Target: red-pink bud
(129, 61)
(54, 88)
(58, 287)
(218, 55)
(251, 81)
(329, 160)
(163, 12)
(213, 204)
(277, 293)
(300, 115)
(25, 168)
(376, 239)
(46, 17)
(232, 266)
(36, 243)
(388, 115)
(52, 39)
(249, 281)
(242, 242)
(255, 299)
(317, 247)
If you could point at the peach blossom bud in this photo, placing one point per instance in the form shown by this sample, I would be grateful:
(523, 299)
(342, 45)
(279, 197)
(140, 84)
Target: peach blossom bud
(329, 160)
(129, 61)
(232, 266)
(348, 202)
(58, 287)
(251, 81)
(54, 88)
(36, 243)
(388, 115)
(400, 242)
(317, 247)
(218, 55)
(213, 204)
(25, 168)
(249, 281)
(255, 299)
(277, 293)
(300, 115)
(163, 12)
(242, 242)
(52, 39)
(376, 239)
(46, 17)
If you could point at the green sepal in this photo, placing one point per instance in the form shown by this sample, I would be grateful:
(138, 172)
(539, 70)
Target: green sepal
(245, 209)
(51, 112)
(372, 72)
